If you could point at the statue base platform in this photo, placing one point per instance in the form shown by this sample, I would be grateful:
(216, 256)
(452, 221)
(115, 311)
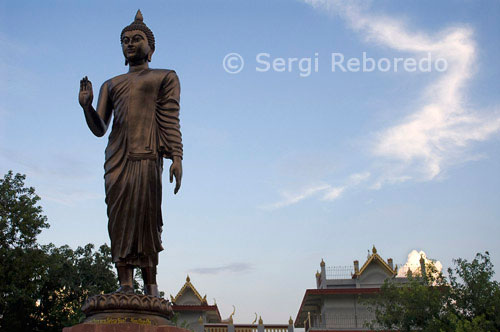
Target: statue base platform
(122, 327)
(126, 312)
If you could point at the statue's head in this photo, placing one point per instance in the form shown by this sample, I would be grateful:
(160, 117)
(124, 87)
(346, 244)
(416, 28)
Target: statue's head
(138, 41)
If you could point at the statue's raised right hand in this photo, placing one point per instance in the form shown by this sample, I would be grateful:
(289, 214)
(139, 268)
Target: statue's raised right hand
(86, 94)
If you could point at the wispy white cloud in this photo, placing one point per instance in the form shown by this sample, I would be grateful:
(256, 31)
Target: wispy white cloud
(333, 193)
(357, 178)
(290, 198)
(441, 129)
(232, 267)
(329, 193)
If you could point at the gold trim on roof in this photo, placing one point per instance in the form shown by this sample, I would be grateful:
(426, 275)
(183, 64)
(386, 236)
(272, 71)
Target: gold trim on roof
(375, 256)
(189, 285)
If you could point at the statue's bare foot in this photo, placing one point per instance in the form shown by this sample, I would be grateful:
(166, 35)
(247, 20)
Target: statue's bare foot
(151, 290)
(125, 289)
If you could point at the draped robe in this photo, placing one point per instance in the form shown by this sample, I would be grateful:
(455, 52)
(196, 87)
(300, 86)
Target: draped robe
(145, 129)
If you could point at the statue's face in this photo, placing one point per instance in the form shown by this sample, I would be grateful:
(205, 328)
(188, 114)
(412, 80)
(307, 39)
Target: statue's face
(135, 46)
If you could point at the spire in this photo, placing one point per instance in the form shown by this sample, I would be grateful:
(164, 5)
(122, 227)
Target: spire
(322, 263)
(138, 16)
(290, 321)
(374, 250)
(260, 320)
(422, 266)
(188, 279)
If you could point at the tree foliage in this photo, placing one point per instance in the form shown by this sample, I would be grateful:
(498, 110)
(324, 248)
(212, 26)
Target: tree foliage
(468, 300)
(42, 287)
(21, 219)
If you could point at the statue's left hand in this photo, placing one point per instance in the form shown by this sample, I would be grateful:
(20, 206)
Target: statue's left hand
(176, 170)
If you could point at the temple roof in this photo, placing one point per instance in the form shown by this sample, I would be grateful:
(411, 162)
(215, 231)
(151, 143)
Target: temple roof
(189, 286)
(189, 300)
(374, 258)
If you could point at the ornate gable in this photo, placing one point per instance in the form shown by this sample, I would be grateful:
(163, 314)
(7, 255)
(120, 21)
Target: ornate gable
(374, 258)
(188, 295)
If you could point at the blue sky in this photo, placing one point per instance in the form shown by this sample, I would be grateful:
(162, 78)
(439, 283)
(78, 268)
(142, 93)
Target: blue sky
(279, 170)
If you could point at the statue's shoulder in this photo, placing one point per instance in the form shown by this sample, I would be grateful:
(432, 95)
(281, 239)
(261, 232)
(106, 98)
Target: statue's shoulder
(163, 73)
(116, 79)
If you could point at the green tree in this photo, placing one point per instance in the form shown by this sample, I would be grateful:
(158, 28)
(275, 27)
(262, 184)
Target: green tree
(467, 301)
(474, 301)
(416, 304)
(21, 220)
(68, 278)
(42, 288)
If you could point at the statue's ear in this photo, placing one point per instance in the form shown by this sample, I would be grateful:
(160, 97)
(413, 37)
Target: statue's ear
(150, 55)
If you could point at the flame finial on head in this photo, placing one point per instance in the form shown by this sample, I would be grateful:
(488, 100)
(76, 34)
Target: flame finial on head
(138, 16)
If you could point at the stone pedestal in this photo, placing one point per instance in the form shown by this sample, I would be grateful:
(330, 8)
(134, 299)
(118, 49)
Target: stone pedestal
(126, 312)
(122, 327)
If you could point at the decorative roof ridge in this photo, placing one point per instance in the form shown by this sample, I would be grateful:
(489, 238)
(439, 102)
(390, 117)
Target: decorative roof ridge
(374, 256)
(189, 285)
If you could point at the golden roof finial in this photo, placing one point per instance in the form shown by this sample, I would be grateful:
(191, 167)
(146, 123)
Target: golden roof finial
(260, 320)
(322, 263)
(290, 321)
(318, 274)
(200, 320)
(171, 298)
(188, 279)
(374, 250)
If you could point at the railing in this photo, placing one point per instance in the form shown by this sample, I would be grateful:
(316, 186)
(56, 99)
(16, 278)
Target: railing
(246, 328)
(251, 328)
(339, 272)
(275, 328)
(216, 328)
(341, 321)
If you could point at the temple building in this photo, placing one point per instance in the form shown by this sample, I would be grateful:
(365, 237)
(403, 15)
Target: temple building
(194, 313)
(191, 309)
(336, 303)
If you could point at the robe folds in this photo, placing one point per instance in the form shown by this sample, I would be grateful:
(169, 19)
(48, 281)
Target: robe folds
(145, 130)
